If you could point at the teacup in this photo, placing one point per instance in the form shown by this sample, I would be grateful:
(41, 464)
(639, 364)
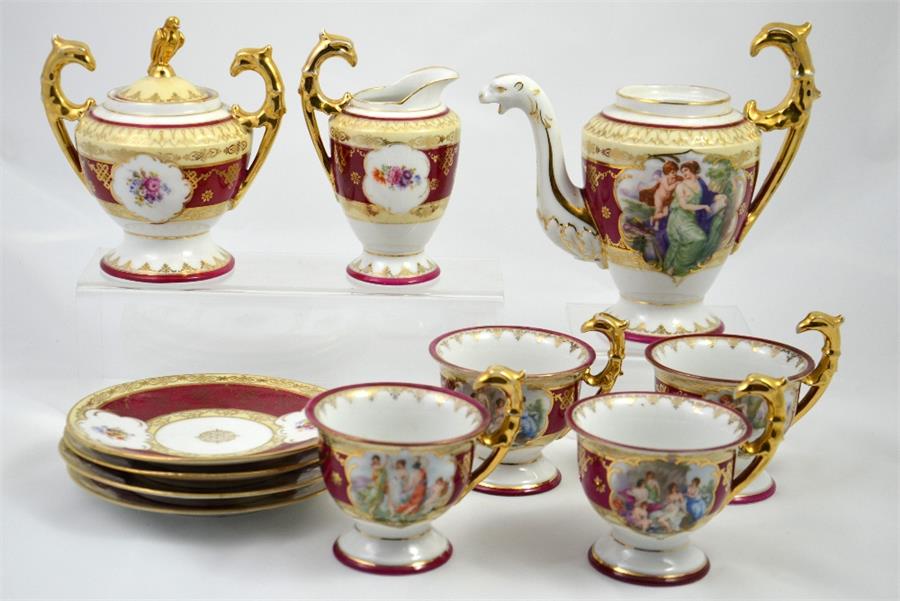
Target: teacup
(657, 466)
(396, 456)
(555, 364)
(711, 366)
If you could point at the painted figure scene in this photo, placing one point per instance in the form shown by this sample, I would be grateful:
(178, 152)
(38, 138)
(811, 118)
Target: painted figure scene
(535, 413)
(661, 498)
(400, 488)
(680, 209)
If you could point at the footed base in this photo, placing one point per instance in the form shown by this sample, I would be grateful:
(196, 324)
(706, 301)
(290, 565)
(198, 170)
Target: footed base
(383, 270)
(669, 567)
(649, 322)
(393, 551)
(520, 479)
(142, 259)
(761, 488)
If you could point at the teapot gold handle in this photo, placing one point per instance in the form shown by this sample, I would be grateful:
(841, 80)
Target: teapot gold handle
(791, 114)
(328, 46)
(614, 330)
(268, 116)
(820, 377)
(510, 383)
(57, 106)
(763, 447)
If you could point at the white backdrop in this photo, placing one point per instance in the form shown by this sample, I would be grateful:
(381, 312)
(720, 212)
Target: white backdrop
(828, 241)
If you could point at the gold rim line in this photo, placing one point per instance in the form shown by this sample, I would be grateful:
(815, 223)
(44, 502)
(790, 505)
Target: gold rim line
(210, 476)
(189, 496)
(153, 237)
(88, 486)
(647, 577)
(646, 100)
(485, 484)
(97, 399)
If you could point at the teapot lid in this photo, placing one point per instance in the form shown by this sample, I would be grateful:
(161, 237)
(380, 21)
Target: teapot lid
(162, 93)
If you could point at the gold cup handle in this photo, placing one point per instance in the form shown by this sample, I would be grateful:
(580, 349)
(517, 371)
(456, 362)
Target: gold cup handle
(57, 106)
(791, 114)
(614, 330)
(820, 377)
(762, 449)
(268, 116)
(501, 438)
(328, 46)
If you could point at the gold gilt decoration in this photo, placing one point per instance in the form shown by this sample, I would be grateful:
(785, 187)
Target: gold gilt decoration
(167, 40)
(188, 214)
(600, 132)
(708, 325)
(361, 211)
(595, 176)
(626, 257)
(583, 242)
(359, 267)
(165, 269)
(197, 146)
(103, 173)
(206, 196)
(449, 158)
(422, 134)
(356, 178)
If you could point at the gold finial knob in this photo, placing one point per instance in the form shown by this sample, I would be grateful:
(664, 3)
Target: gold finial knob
(166, 42)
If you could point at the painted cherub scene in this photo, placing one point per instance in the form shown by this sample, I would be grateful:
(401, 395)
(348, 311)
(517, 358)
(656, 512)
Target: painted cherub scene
(680, 209)
(400, 488)
(660, 498)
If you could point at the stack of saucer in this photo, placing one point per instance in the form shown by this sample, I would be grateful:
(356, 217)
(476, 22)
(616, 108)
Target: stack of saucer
(204, 444)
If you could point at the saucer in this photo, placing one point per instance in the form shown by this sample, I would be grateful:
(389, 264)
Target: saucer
(131, 500)
(172, 494)
(197, 419)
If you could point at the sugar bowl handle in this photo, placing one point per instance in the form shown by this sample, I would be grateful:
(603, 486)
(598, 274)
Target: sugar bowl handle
(820, 377)
(792, 113)
(268, 116)
(57, 106)
(501, 438)
(763, 447)
(614, 330)
(328, 46)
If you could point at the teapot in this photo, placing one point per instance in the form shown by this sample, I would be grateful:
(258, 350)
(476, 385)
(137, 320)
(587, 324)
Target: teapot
(392, 164)
(165, 158)
(669, 177)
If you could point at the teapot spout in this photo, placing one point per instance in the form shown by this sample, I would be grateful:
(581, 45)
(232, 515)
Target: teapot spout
(419, 90)
(561, 206)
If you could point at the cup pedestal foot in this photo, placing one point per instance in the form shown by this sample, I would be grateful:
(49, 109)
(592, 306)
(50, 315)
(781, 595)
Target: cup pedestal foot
(141, 259)
(667, 567)
(649, 322)
(371, 269)
(392, 551)
(761, 488)
(520, 479)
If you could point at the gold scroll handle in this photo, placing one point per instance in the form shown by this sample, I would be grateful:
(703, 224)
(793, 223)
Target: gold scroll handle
(499, 440)
(791, 114)
(268, 116)
(614, 330)
(57, 106)
(328, 46)
(820, 377)
(763, 447)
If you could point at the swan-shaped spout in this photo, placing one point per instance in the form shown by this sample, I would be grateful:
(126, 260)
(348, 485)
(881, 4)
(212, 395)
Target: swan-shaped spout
(561, 207)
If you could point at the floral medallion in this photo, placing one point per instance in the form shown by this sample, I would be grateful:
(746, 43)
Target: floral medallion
(115, 430)
(396, 177)
(150, 188)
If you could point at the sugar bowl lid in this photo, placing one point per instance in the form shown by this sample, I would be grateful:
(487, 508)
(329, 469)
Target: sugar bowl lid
(161, 93)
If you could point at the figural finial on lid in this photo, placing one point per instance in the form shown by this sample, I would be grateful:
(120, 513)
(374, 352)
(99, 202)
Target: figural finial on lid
(166, 42)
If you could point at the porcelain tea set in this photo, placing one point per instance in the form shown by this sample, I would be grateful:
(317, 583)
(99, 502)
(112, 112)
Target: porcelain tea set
(669, 178)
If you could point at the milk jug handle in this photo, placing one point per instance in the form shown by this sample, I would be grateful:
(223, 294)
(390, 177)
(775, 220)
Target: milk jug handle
(792, 113)
(56, 105)
(328, 46)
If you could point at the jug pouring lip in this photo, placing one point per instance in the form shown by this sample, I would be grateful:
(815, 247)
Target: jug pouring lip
(416, 94)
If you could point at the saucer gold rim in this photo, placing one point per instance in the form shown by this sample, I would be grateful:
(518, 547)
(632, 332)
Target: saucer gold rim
(194, 496)
(90, 487)
(99, 398)
(187, 476)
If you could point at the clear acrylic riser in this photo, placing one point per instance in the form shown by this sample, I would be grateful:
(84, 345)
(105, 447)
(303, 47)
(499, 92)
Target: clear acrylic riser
(293, 316)
(637, 374)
